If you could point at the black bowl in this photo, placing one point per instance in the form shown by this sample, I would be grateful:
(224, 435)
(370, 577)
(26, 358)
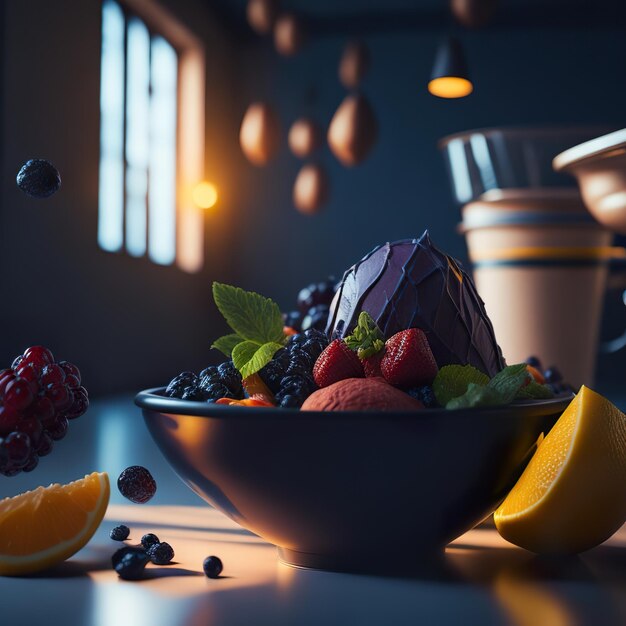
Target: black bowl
(341, 490)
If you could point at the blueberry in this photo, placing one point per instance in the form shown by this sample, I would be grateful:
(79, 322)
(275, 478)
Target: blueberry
(132, 565)
(293, 319)
(425, 395)
(316, 318)
(534, 362)
(38, 178)
(160, 553)
(136, 484)
(120, 533)
(552, 375)
(148, 540)
(212, 566)
(118, 555)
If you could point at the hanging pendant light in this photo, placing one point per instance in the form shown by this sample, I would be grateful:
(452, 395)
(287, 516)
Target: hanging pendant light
(450, 78)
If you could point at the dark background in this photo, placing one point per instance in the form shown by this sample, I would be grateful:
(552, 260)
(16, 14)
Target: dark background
(128, 323)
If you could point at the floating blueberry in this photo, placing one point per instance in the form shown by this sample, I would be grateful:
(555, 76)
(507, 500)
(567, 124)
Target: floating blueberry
(120, 533)
(38, 178)
(136, 484)
(148, 540)
(212, 566)
(161, 553)
(132, 565)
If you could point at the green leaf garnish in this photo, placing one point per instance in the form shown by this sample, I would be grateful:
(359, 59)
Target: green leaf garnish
(249, 357)
(535, 391)
(476, 395)
(258, 326)
(509, 381)
(452, 381)
(366, 339)
(249, 314)
(463, 386)
(227, 343)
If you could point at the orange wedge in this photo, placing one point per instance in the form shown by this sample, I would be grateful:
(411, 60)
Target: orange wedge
(572, 494)
(43, 527)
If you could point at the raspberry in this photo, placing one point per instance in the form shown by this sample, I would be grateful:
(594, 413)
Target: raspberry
(37, 397)
(136, 484)
(160, 553)
(120, 533)
(212, 566)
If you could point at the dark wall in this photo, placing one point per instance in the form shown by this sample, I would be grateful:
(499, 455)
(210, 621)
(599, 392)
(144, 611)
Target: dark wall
(126, 322)
(542, 76)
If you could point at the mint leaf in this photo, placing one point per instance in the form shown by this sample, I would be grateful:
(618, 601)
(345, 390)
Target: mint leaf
(509, 381)
(227, 343)
(366, 339)
(476, 395)
(535, 391)
(250, 315)
(452, 381)
(249, 357)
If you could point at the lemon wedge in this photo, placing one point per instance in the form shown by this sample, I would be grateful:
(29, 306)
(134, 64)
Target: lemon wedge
(572, 495)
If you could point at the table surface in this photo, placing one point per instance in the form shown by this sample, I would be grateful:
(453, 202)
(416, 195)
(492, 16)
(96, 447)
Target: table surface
(484, 579)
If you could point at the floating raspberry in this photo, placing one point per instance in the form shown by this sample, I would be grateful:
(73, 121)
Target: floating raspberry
(136, 484)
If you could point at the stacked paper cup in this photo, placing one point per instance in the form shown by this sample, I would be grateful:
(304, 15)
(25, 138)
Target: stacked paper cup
(540, 261)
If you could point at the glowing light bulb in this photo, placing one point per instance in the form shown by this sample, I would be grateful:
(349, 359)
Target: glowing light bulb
(205, 195)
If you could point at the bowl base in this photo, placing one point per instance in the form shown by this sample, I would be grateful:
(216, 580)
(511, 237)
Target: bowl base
(431, 564)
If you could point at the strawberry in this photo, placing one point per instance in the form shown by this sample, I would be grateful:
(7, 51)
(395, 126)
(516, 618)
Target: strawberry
(336, 363)
(408, 360)
(371, 365)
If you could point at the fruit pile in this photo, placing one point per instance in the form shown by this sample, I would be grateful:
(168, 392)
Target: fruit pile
(38, 397)
(274, 365)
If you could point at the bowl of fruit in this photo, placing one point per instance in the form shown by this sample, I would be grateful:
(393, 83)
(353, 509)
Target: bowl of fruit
(368, 444)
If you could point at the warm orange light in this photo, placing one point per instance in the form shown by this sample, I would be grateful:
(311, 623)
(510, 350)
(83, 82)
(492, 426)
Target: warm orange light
(205, 195)
(450, 87)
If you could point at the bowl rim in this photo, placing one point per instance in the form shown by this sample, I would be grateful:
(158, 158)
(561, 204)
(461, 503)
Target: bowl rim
(154, 400)
(593, 149)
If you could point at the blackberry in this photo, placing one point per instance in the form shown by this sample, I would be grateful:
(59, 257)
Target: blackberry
(212, 566)
(179, 383)
(272, 374)
(160, 553)
(293, 319)
(301, 364)
(210, 371)
(195, 393)
(316, 317)
(231, 377)
(38, 178)
(294, 390)
(132, 565)
(425, 395)
(120, 533)
(215, 390)
(136, 484)
(148, 540)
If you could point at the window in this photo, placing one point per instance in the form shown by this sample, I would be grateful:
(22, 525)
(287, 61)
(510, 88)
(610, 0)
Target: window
(151, 135)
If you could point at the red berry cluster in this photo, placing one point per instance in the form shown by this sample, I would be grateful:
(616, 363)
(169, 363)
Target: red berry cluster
(37, 398)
